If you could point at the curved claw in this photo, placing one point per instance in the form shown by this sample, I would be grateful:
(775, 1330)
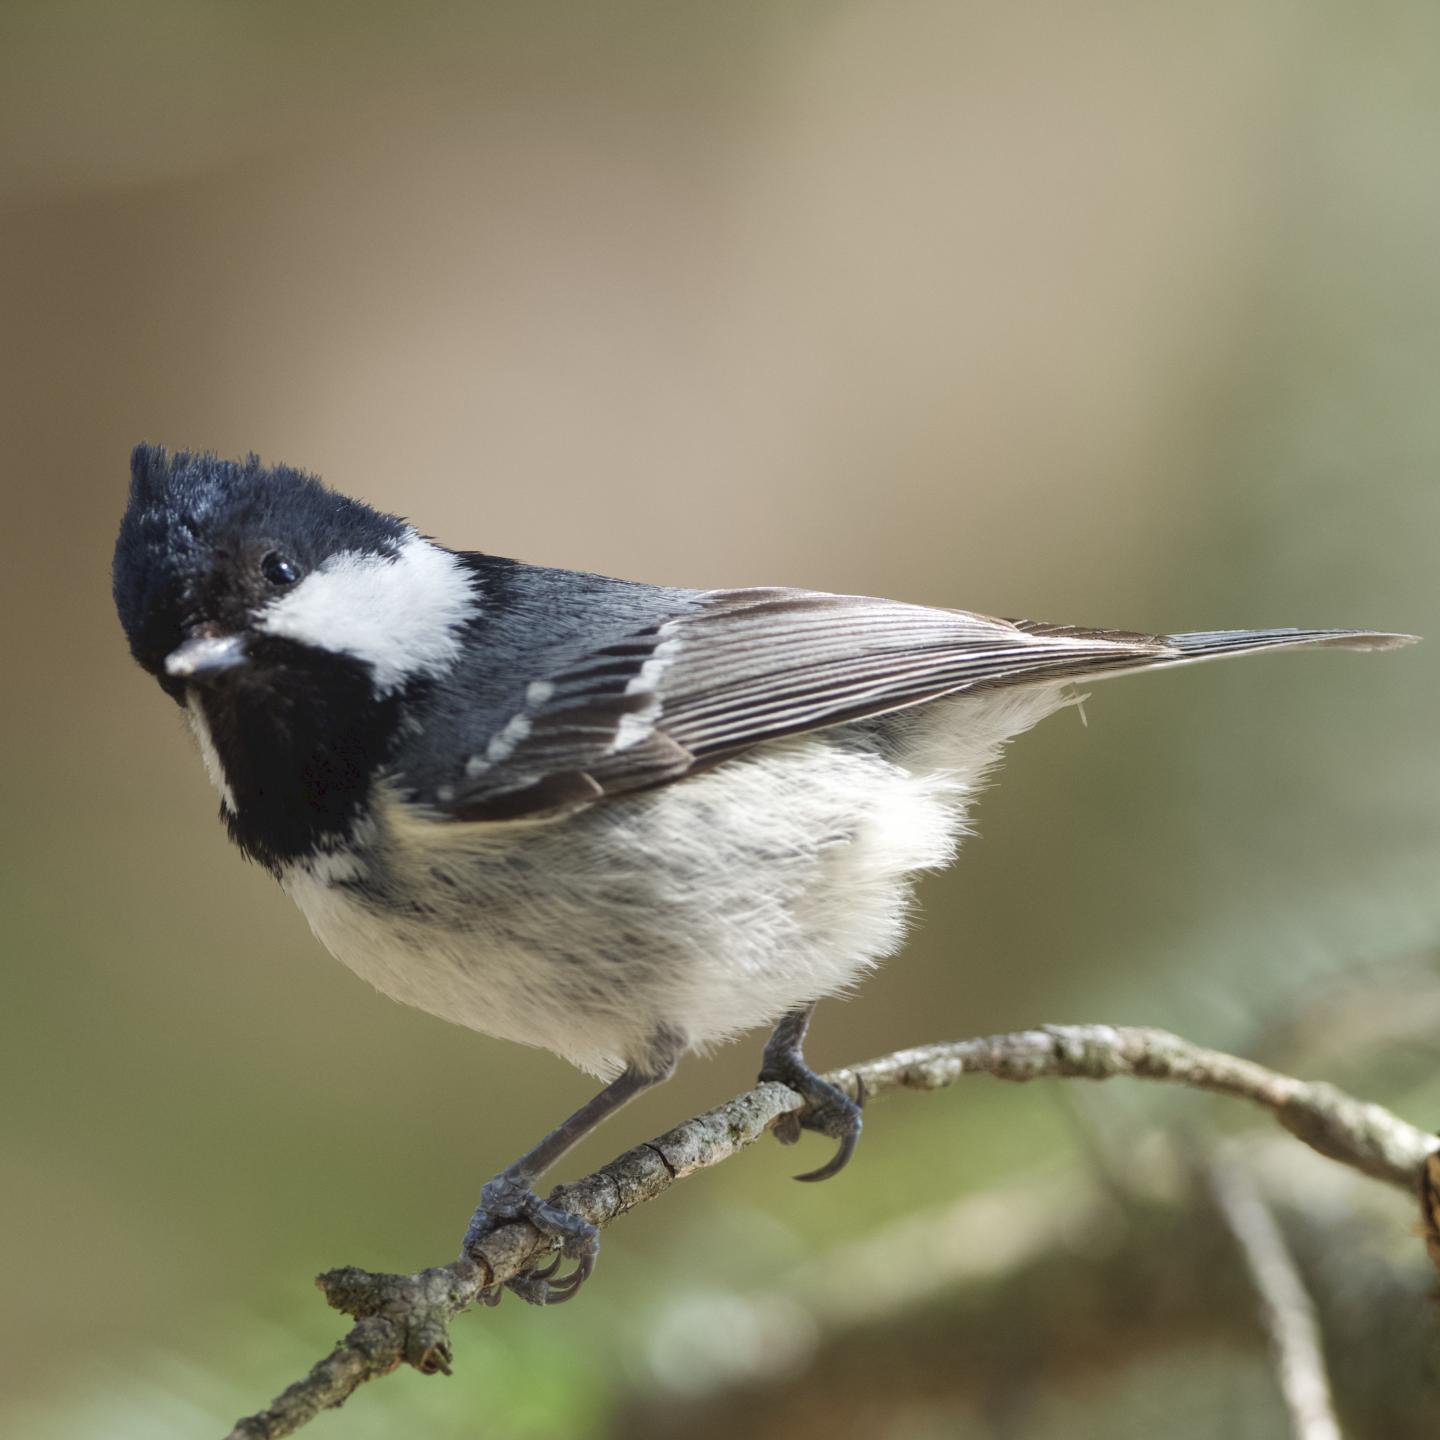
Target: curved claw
(848, 1142)
(568, 1286)
(537, 1288)
(545, 1272)
(509, 1197)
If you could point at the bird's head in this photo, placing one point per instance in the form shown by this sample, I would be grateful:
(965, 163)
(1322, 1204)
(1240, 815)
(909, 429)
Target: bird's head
(231, 574)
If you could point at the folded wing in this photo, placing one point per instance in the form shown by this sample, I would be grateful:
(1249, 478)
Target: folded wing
(754, 665)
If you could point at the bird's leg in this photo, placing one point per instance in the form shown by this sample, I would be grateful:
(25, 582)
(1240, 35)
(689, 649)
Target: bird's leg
(827, 1111)
(511, 1195)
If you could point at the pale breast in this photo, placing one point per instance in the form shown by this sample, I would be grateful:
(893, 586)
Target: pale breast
(708, 907)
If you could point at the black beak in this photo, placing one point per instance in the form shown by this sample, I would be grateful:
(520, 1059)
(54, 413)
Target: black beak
(205, 656)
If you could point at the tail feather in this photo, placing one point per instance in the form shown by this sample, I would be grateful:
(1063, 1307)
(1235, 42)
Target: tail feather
(1135, 651)
(1211, 644)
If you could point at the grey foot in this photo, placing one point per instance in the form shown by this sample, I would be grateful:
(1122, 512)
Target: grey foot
(827, 1111)
(509, 1197)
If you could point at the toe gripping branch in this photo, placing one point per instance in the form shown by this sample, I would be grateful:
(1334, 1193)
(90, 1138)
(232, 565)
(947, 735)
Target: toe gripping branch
(509, 1197)
(828, 1110)
(511, 1194)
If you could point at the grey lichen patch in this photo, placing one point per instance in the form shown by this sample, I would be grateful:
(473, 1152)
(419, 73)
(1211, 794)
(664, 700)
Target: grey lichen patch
(720, 1133)
(1356, 1133)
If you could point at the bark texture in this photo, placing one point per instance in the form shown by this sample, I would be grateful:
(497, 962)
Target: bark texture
(405, 1319)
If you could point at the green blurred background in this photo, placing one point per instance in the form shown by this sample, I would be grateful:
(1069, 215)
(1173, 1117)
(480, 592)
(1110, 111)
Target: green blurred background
(1114, 313)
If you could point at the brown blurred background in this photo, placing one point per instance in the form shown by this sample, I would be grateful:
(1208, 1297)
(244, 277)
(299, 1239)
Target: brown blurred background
(1115, 314)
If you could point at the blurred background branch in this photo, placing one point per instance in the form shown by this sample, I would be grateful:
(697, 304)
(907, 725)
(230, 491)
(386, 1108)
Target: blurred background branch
(406, 1319)
(1285, 1305)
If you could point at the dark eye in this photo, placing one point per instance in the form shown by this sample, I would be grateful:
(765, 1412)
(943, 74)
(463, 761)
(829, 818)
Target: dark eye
(279, 569)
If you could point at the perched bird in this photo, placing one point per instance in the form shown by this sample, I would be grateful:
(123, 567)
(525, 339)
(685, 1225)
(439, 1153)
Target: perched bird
(617, 820)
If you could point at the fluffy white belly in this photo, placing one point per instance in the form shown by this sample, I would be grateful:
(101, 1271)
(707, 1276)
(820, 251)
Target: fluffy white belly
(706, 907)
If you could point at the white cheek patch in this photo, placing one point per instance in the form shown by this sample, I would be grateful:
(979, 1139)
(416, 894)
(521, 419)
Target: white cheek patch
(401, 615)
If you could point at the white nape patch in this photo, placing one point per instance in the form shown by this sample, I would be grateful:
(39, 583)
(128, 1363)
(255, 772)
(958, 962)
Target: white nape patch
(208, 753)
(537, 692)
(401, 615)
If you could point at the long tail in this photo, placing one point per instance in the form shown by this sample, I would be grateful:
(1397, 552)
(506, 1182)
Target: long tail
(1133, 651)
(1212, 644)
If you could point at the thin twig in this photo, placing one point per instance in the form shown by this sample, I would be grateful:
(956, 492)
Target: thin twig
(405, 1319)
(1285, 1305)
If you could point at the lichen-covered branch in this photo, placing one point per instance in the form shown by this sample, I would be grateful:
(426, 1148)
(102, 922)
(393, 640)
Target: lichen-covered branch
(405, 1319)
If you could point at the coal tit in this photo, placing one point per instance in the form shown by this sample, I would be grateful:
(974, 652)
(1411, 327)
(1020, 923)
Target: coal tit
(621, 821)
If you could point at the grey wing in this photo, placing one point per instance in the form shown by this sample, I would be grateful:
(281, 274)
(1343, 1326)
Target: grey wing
(744, 667)
(748, 666)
